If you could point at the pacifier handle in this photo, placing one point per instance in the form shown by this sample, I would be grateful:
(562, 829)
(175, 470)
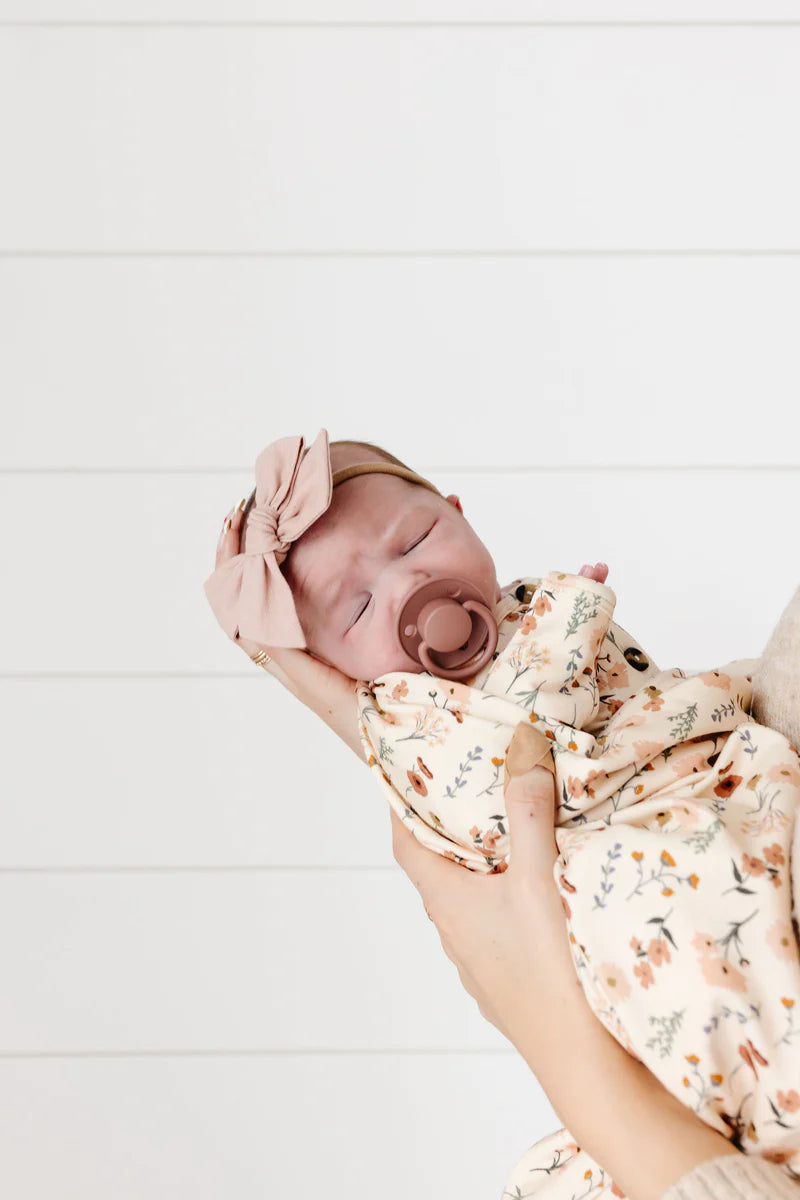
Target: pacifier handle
(461, 672)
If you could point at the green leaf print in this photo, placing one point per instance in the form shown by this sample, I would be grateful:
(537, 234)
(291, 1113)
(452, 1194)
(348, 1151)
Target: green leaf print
(682, 722)
(580, 612)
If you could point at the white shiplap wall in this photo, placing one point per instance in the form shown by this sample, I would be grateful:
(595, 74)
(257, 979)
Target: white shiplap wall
(547, 252)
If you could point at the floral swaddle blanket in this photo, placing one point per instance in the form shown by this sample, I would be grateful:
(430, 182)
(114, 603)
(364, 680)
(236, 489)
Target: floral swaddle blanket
(675, 817)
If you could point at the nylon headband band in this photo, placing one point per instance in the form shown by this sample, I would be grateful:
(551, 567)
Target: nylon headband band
(378, 468)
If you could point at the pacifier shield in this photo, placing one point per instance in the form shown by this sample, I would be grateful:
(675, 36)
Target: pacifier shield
(445, 626)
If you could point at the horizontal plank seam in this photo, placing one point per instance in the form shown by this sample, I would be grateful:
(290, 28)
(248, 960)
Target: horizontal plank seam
(485, 252)
(255, 1052)
(438, 468)
(217, 868)
(541, 24)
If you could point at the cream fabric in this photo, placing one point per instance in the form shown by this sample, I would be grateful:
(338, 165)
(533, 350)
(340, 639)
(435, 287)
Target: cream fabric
(674, 823)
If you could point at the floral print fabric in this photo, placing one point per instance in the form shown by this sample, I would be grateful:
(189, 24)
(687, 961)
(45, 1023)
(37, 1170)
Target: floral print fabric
(675, 814)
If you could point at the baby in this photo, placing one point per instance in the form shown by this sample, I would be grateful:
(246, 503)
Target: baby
(675, 810)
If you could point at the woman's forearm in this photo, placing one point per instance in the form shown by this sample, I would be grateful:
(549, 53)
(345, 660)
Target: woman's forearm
(615, 1109)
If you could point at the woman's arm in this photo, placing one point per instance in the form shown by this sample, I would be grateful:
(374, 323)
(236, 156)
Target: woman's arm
(507, 936)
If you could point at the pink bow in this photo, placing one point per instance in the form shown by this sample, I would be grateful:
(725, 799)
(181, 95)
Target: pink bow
(248, 592)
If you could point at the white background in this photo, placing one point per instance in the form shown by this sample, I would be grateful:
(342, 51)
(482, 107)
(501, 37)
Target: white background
(548, 254)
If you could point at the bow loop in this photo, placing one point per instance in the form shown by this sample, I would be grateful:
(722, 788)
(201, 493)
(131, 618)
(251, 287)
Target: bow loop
(248, 593)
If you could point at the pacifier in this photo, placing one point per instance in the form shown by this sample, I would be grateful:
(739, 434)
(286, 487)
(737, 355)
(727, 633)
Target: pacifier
(445, 625)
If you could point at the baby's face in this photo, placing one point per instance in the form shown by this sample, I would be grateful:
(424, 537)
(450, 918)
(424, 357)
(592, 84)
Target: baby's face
(349, 573)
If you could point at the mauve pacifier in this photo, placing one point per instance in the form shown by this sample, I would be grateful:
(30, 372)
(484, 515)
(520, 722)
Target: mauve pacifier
(445, 625)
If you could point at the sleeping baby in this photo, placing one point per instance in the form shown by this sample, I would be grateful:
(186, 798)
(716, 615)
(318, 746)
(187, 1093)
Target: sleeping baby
(675, 809)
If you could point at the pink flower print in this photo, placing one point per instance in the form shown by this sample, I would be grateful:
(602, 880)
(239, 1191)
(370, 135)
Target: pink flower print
(399, 690)
(575, 787)
(774, 854)
(612, 978)
(685, 764)
(658, 952)
(705, 944)
(489, 840)
(686, 815)
(785, 772)
(637, 719)
(616, 676)
(781, 940)
(529, 623)
(656, 700)
(644, 973)
(635, 945)
(647, 750)
(753, 865)
(458, 691)
(715, 679)
(722, 974)
(789, 1101)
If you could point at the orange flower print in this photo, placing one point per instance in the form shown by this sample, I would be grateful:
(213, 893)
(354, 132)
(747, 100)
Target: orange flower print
(424, 769)
(667, 858)
(542, 605)
(754, 865)
(727, 784)
(715, 679)
(693, 881)
(417, 782)
(774, 854)
(656, 700)
(658, 952)
(644, 972)
(529, 623)
(575, 787)
(399, 690)
(612, 978)
(786, 1002)
(781, 940)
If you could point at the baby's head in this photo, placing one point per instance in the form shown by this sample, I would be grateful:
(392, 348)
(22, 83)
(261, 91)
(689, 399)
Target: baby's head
(381, 536)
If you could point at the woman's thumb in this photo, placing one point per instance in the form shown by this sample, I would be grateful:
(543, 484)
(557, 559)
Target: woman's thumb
(530, 810)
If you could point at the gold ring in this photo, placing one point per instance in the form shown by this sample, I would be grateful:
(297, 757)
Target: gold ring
(261, 658)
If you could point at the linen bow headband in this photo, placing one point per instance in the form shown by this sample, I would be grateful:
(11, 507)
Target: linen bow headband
(294, 485)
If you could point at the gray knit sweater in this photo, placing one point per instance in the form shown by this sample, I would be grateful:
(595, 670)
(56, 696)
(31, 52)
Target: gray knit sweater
(735, 1177)
(776, 702)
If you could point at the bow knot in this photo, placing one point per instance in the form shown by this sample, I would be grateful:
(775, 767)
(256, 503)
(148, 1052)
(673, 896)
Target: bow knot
(263, 535)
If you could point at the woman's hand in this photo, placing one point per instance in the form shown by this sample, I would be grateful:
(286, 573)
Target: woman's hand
(506, 933)
(323, 689)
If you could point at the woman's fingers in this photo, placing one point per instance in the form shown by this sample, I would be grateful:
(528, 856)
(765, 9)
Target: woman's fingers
(432, 875)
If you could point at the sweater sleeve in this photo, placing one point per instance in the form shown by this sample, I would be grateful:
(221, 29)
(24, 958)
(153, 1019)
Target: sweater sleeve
(735, 1177)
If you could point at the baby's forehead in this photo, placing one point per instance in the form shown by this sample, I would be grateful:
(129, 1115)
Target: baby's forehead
(356, 516)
